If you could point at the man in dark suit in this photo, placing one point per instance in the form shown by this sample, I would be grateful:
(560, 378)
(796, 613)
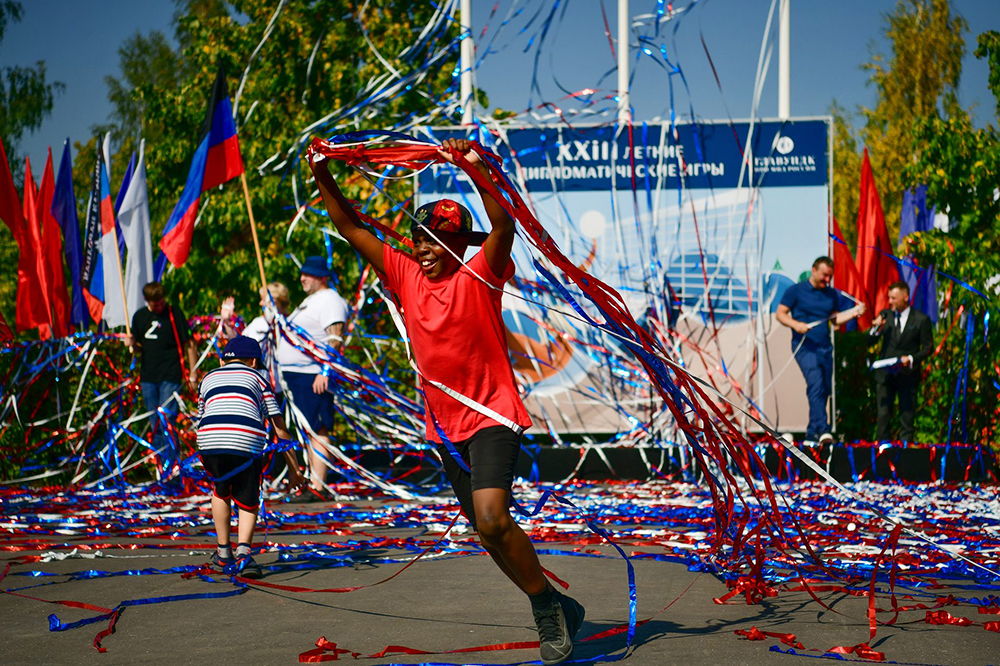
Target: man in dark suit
(906, 336)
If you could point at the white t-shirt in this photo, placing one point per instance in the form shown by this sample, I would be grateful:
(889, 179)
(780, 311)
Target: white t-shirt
(317, 312)
(259, 329)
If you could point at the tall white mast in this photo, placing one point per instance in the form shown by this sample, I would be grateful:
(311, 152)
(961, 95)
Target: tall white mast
(465, 62)
(624, 105)
(784, 61)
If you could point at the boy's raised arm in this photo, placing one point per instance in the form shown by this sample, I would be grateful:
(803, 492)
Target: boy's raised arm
(343, 216)
(498, 244)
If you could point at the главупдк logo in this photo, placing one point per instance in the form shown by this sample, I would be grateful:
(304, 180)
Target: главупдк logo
(784, 144)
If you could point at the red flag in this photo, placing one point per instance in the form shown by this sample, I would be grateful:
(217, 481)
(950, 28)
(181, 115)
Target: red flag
(29, 310)
(845, 271)
(216, 160)
(33, 248)
(30, 302)
(52, 253)
(876, 267)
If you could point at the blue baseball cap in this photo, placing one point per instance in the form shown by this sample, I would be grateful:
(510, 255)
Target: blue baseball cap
(241, 347)
(316, 267)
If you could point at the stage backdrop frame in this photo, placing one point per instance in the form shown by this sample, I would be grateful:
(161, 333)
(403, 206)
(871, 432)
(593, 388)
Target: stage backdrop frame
(562, 170)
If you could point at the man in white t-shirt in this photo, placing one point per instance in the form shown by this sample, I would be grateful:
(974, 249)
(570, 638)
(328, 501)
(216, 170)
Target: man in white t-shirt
(322, 316)
(261, 328)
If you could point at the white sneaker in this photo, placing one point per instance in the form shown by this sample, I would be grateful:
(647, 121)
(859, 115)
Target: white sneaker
(826, 438)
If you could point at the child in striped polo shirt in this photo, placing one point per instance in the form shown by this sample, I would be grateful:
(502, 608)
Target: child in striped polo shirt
(234, 404)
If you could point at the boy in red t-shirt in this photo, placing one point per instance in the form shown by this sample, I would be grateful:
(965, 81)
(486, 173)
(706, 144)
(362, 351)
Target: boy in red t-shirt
(453, 318)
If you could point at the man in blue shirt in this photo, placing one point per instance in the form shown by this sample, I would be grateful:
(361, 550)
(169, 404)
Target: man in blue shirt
(807, 308)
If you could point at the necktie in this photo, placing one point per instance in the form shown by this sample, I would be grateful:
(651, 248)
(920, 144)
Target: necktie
(899, 327)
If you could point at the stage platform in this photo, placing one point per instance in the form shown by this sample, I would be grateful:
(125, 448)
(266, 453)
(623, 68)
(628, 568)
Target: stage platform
(858, 461)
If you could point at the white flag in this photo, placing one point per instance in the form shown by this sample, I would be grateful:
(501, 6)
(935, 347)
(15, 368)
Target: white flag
(114, 308)
(133, 216)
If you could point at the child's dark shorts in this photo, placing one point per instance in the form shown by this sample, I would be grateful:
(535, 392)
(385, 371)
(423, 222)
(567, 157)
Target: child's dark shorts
(243, 487)
(491, 454)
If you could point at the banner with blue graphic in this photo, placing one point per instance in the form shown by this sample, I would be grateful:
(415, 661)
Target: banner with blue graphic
(691, 156)
(704, 225)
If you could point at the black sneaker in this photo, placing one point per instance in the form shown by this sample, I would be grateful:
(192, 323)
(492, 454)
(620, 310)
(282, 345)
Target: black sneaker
(557, 625)
(574, 612)
(248, 568)
(220, 563)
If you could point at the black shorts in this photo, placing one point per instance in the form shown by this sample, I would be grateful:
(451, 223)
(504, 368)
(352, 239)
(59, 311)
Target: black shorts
(243, 487)
(491, 454)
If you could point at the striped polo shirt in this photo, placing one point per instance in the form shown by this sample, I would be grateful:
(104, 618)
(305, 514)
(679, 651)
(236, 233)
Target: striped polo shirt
(234, 403)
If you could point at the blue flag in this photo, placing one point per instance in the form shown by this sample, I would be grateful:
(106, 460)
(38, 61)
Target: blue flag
(64, 210)
(126, 179)
(160, 267)
(922, 282)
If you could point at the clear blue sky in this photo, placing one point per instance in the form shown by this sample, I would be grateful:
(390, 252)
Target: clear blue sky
(79, 42)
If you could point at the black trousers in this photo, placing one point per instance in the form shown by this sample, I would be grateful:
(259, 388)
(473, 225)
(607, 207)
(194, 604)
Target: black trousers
(896, 386)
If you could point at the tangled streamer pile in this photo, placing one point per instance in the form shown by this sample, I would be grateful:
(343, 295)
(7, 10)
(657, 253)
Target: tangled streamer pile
(89, 485)
(653, 522)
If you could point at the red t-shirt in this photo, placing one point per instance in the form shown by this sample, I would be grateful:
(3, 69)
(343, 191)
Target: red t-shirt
(458, 339)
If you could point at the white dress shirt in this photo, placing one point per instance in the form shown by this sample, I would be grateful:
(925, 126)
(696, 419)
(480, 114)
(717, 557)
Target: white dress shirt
(903, 316)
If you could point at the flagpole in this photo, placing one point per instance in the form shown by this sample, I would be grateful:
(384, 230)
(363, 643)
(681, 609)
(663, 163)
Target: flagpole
(121, 280)
(114, 241)
(253, 230)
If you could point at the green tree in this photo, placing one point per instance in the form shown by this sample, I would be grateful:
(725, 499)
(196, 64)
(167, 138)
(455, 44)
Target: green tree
(846, 174)
(26, 94)
(961, 167)
(146, 61)
(26, 99)
(315, 60)
(905, 132)
(919, 77)
(989, 49)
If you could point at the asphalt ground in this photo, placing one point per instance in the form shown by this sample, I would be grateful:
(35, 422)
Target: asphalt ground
(445, 603)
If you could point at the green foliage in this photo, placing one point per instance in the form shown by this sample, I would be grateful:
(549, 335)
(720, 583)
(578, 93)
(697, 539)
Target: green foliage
(961, 168)
(917, 134)
(35, 438)
(161, 95)
(315, 60)
(856, 407)
(144, 60)
(846, 174)
(989, 49)
(9, 11)
(8, 275)
(918, 78)
(26, 98)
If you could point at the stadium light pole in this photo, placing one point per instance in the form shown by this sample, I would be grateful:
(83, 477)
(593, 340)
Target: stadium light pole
(784, 61)
(465, 61)
(624, 105)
